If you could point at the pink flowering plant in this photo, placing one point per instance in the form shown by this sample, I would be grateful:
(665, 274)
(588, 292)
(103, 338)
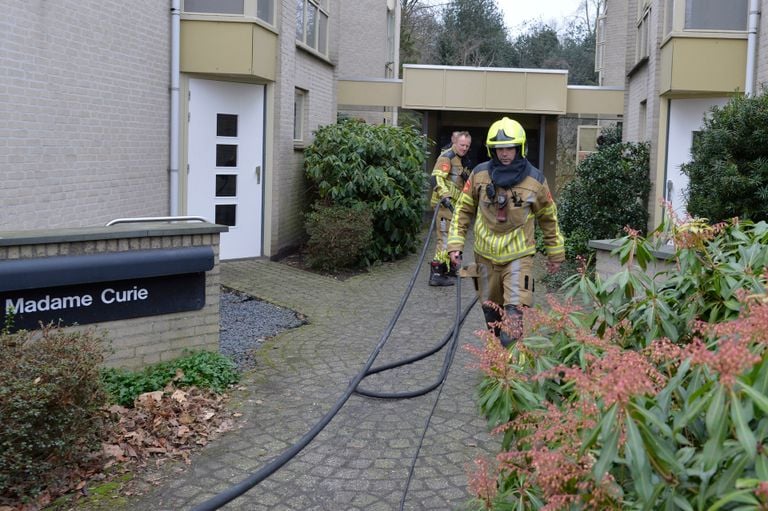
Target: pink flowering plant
(642, 391)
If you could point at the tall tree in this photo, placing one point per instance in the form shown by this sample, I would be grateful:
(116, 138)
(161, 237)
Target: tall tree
(588, 14)
(419, 30)
(578, 50)
(538, 48)
(473, 35)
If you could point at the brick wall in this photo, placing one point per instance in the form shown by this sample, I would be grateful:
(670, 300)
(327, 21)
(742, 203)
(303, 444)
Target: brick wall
(614, 71)
(363, 39)
(139, 341)
(607, 264)
(302, 69)
(761, 72)
(84, 105)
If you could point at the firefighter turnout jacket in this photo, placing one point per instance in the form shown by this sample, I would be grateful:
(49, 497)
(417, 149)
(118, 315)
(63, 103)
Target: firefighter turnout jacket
(504, 218)
(450, 175)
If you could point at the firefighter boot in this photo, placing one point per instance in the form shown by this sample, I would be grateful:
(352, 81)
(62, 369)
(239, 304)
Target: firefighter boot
(437, 276)
(492, 318)
(514, 322)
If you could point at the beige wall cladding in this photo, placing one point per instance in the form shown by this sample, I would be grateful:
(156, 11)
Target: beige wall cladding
(484, 89)
(595, 100)
(686, 65)
(84, 105)
(228, 48)
(546, 93)
(425, 87)
(505, 91)
(135, 342)
(462, 90)
(380, 93)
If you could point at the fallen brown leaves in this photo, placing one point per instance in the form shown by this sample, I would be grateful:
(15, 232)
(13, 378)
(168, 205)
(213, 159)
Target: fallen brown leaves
(165, 425)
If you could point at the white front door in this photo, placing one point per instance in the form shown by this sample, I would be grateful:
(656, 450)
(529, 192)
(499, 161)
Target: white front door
(686, 117)
(226, 141)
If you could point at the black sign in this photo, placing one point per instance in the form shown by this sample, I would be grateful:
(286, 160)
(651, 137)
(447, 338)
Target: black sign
(102, 301)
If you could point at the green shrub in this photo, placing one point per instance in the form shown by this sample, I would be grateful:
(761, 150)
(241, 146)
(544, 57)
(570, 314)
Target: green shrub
(609, 135)
(378, 168)
(728, 172)
(338, 237)
(50, 400)
(610, 191)
(204, 369)
(652, 395)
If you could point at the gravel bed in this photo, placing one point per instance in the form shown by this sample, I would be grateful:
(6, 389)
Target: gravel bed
(246, 322)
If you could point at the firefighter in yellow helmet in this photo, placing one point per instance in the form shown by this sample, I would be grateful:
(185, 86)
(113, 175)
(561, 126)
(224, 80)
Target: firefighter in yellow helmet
(450, 172)
(505, 196)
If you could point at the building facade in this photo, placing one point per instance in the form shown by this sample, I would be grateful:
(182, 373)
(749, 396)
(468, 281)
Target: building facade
(196, 107)
(84, 108)
(682, 58)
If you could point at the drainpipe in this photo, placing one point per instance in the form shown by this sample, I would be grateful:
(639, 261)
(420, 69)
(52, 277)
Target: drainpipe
(174, 141)
(753, 23)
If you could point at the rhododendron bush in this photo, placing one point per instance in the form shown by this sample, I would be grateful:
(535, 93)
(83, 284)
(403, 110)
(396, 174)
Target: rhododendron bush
(638, 392)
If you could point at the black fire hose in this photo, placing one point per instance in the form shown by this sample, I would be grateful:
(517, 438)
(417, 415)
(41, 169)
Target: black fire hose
(270, 468)
(460, 317)
(446, 365)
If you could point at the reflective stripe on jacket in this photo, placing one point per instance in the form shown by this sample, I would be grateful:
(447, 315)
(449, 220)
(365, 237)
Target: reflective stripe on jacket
(506, 240)
(448, 172)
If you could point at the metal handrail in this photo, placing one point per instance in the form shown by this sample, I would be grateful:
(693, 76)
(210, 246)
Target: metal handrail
(156, 219)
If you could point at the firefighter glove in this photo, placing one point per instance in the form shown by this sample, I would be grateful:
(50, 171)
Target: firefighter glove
(446, 202)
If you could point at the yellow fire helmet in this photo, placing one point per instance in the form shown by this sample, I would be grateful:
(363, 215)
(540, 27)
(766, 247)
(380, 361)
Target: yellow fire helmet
(506, 133)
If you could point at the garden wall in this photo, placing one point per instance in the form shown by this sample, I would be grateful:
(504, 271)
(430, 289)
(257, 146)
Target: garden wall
(608, 264)
(153, 288)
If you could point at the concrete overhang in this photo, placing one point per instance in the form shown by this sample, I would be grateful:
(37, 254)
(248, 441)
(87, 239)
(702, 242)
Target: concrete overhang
(366, 92)
(600, 101)
(228, 48)
(702, 65)
(469, 89)
(478, 89)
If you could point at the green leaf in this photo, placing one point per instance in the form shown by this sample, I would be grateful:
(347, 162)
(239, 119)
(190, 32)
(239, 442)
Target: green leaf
(610, 445)
(692, 411)
(743, 433)
(638, 462)
(653, 419)
(735, 496)
(715, 415)
(761, 467)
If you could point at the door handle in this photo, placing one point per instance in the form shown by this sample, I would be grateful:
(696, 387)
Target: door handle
(257, 171)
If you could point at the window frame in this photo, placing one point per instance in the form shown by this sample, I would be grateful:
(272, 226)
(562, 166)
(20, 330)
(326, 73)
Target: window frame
(252, 9)
(643, 36)
(320, 25)
(688, 18)
(600, 43)
(299, 113)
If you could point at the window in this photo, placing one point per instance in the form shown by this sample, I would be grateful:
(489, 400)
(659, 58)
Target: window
(643, 120)
(215, 6)
(716, 14)
(312, 24)
(298, 115)
(670, 16)
(643, 42)
(261, 9)
(389, 67)
(600, 45)
(265, 10)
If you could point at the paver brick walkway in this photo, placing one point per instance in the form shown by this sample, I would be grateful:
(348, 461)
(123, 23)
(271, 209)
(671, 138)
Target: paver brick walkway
(360, 461)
